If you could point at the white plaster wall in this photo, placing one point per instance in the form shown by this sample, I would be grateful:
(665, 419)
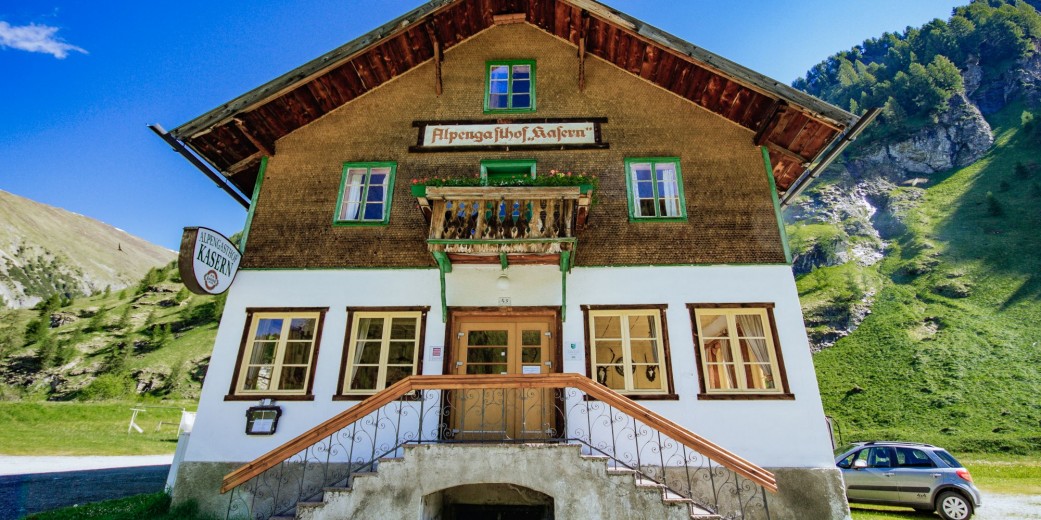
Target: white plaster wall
(771, 433)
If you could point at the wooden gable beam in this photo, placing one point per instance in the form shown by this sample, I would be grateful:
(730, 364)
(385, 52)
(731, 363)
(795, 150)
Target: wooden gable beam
(582, 51)
(439, 55)
(774, 113)
(252, 138)
(245, 163)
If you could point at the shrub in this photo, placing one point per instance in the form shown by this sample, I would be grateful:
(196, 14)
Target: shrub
(108, 386)
(994, 207)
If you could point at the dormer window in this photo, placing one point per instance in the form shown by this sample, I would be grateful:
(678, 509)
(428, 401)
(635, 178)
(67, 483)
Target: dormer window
(365, 193)
(510, 86)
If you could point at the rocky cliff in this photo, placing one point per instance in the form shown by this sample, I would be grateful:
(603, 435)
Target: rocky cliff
(863, 199)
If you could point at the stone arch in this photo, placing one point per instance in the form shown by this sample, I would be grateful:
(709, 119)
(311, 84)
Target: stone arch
(488, 500)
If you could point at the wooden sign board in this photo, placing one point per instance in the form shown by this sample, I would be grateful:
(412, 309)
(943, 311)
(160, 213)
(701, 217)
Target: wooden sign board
(208, 261)
(517, 134)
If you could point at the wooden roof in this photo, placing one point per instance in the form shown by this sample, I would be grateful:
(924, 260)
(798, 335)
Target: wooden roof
(796, 127)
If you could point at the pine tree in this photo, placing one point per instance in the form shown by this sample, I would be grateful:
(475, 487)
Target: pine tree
(994, 208)
(181, 295)
(97, 321)
(124, 319)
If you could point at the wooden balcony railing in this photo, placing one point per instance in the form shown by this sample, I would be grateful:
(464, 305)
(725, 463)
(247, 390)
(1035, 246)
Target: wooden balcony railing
(526, 223)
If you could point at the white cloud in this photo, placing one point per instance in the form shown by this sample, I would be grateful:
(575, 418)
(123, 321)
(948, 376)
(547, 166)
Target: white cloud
(35, 38)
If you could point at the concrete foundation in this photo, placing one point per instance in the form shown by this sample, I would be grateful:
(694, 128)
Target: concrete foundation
(434, 479)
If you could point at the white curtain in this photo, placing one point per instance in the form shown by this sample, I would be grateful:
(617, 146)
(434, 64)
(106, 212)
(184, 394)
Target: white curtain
(668, 190)
(352, 197)
(752, 325)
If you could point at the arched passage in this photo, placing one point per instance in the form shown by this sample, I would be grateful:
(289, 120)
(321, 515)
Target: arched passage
(488, 502)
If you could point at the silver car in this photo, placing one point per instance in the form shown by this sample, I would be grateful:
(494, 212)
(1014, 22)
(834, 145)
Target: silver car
(920, 476)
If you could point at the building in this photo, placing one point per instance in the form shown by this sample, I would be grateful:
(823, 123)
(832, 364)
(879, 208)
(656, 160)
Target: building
(436, 293)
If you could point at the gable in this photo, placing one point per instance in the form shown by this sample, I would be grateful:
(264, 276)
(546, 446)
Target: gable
(796, 128)
(726, 193)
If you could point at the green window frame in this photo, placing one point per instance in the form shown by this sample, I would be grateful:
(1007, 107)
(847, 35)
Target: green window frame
(655, 188)
(509, 86)
(506, 169)
(366, 194)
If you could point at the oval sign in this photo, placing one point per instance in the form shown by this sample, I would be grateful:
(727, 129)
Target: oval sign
(208, 261)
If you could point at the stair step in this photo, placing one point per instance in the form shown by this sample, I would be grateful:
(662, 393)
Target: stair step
(309, 505)
(283, 518)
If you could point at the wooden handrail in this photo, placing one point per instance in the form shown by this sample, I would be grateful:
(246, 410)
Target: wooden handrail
(463, 382)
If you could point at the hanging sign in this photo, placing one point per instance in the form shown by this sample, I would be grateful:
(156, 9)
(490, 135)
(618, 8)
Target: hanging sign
(208, 261)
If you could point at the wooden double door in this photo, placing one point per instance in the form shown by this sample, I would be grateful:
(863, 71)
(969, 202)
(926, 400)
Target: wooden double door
(503, 345)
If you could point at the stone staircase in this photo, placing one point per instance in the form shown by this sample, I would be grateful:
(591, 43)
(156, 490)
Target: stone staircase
(581, 487)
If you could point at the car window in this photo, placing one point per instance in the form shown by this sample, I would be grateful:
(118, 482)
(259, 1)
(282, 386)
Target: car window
(880, 457)
(846, 462)
(948, 459)
(912, 458)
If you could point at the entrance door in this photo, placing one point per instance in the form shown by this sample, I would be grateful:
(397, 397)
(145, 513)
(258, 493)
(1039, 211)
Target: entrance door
(500, 345)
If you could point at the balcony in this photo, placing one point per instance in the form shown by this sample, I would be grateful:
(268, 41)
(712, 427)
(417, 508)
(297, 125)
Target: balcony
(504, 225)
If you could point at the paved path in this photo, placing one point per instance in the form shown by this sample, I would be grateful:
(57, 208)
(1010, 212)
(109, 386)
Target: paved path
(34, 484)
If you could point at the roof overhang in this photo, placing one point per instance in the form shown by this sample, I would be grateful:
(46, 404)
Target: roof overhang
(796, 128)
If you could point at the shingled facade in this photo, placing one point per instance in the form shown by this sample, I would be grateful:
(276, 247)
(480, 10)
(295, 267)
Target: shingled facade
(666, 280)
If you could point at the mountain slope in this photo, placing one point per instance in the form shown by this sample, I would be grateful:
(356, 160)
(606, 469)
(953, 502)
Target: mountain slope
(917, 255)
(46, 250)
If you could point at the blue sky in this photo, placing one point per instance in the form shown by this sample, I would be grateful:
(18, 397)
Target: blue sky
(79, 81)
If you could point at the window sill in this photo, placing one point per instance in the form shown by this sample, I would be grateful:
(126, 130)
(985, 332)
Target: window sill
(413, 396)
(273, 397)
(351, 223)
(746, 397)
(657, 219)
(643, 397)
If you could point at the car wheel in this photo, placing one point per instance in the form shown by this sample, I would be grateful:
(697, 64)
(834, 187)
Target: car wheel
(953, 506)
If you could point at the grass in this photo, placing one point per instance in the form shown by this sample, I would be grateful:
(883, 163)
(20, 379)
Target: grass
(949, 354)
(155, 506)
(50, 428)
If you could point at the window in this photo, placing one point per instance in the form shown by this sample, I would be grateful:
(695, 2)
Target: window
(737, 350)
(655, 189)
(365, 193)
(510, 86)
(506, 169)
(384, 348)
(278, 352)
(628, 350)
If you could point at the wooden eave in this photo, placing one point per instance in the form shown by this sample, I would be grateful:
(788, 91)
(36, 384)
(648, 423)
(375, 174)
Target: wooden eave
(796, 127)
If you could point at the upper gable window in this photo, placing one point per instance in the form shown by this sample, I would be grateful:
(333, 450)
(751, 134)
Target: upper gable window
(655, 189)
(510, 86)
(365, 193)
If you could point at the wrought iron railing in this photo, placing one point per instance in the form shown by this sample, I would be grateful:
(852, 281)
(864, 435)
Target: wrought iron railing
(554, 408)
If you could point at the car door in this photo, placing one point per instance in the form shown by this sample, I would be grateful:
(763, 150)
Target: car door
(916, 475)
(872, 483)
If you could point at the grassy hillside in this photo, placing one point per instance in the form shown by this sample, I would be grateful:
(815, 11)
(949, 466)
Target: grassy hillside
(950, 351)
(46, 250)
(150, 340)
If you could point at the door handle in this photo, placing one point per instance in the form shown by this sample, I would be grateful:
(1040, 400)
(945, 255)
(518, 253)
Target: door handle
(937, 475)
(890, 474)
